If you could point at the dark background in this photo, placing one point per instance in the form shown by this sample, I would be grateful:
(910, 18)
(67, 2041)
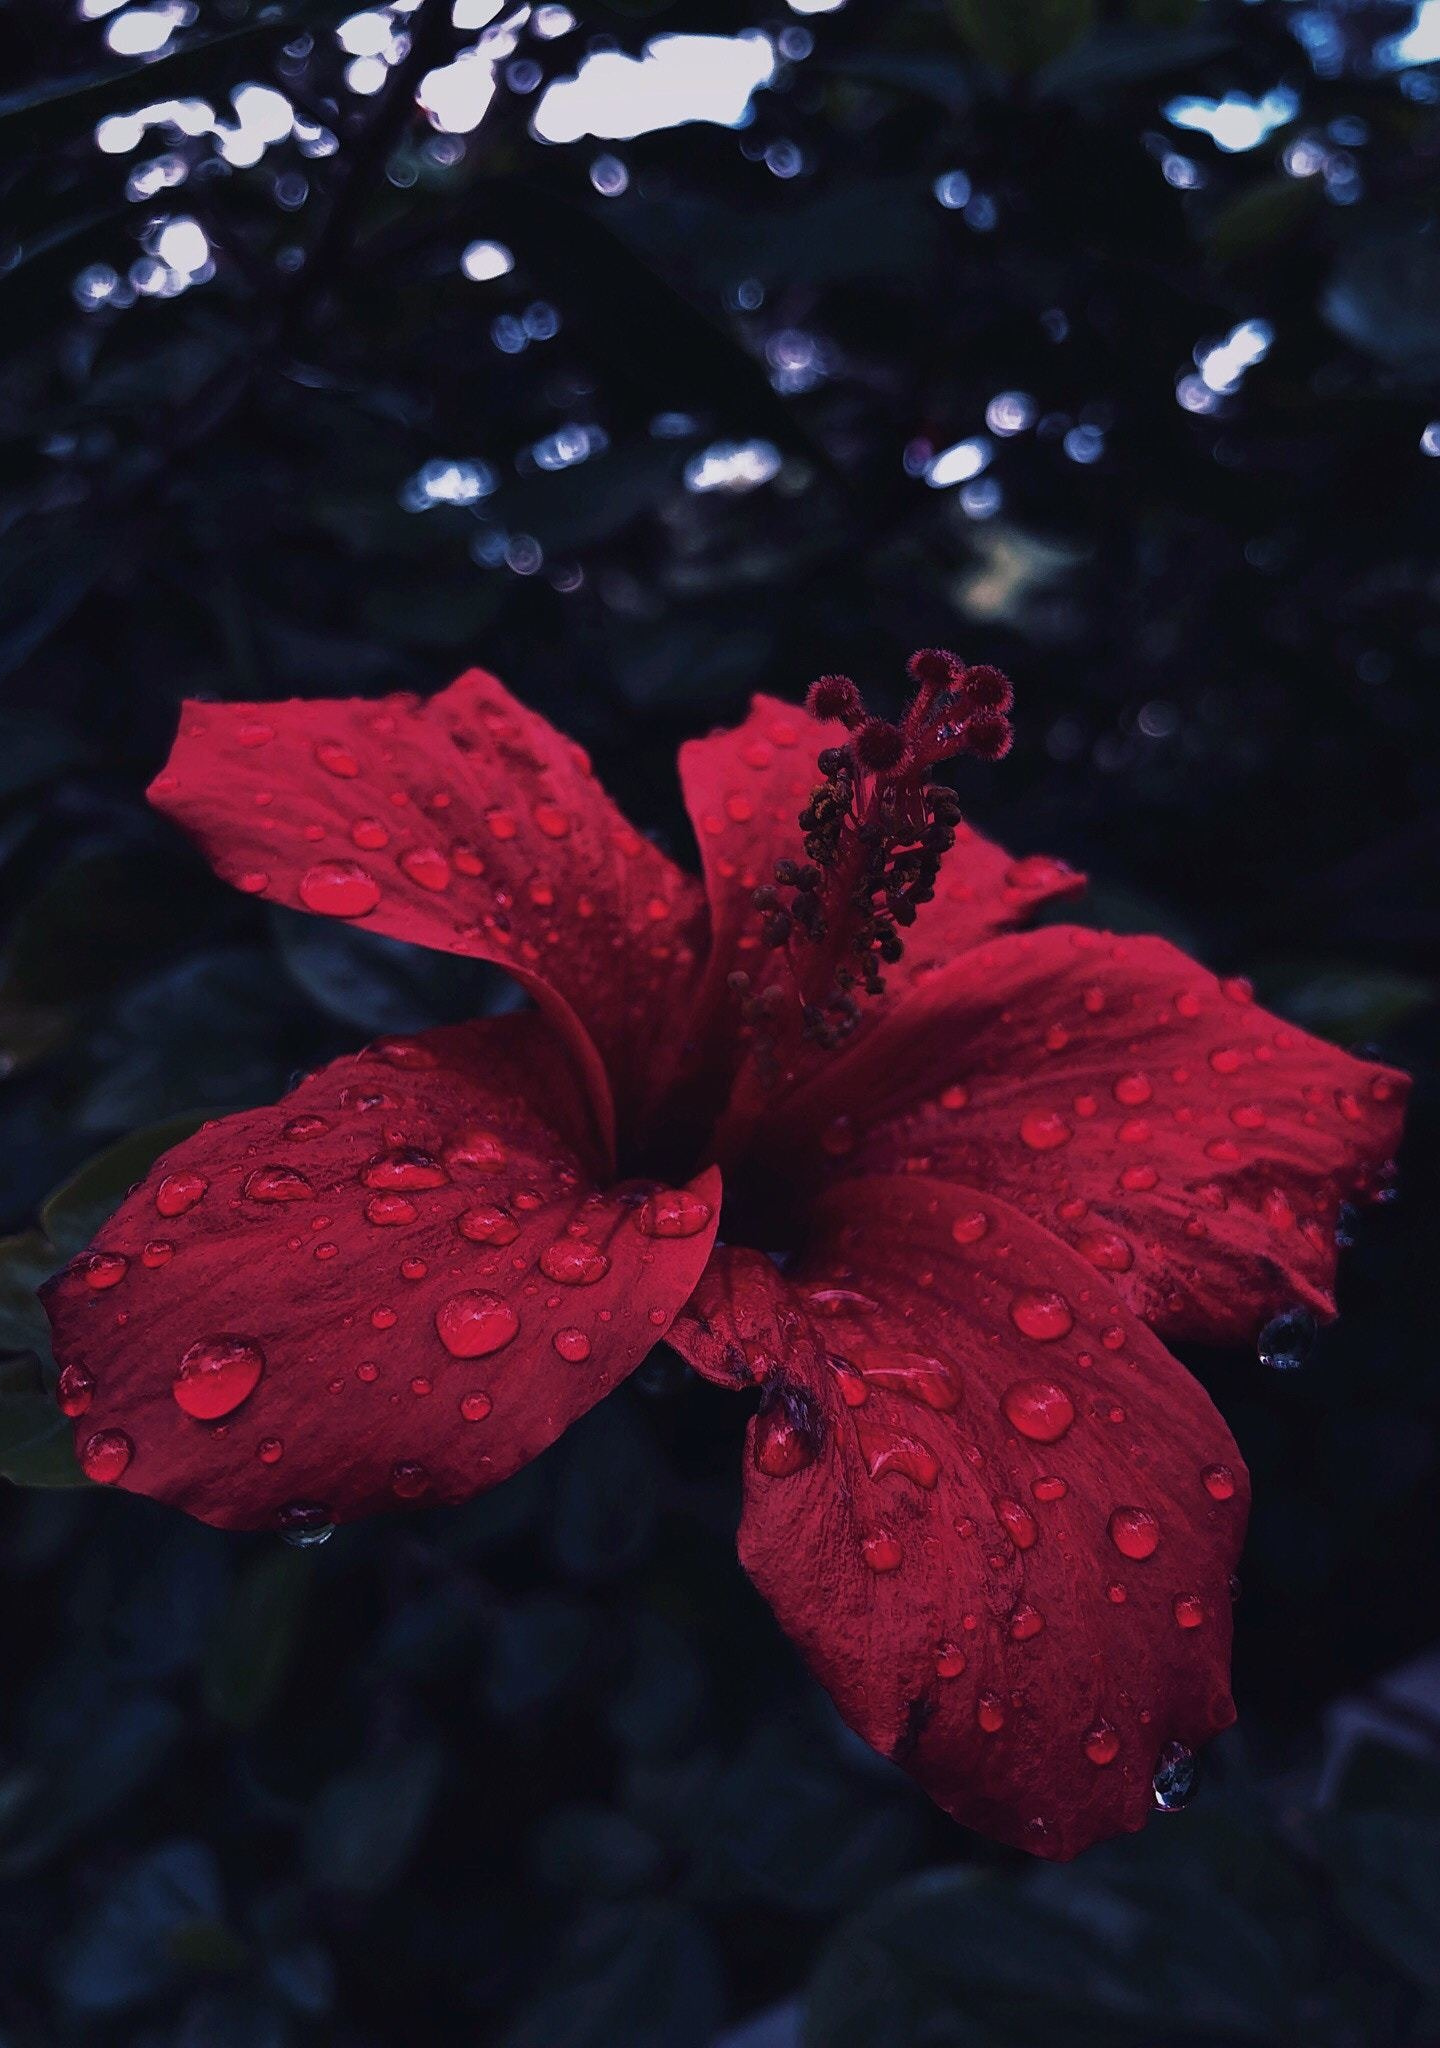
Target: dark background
(542, 1772)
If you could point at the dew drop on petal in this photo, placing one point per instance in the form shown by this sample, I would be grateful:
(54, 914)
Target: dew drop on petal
(1102, 1744)
(389, 1210)
(990, 1712)
(781, 1448)
(405, 1168)
(178, 1192)
(427, 866)
(572, 1345)
(277, 1184)
(1219, 1482)
(339, 888)
(574, 1263)
(305, 1523)
(881, 1551)
(270, 1450)
(1176, 1772)
(473, 1323)
(337, 759)
(475, 1406)
(950, 1661)
(970, 1226)
(105, 1455)
(1041, 1314)
(674, 1212)
(1043, 1130)
(1025, 1622)
(1134, 1532)
(408, 1480)
(1188, 1609)
(216, 1375)
(1038, 1409)
(1286, 1341)
(74, 1391)
(105, 1269)
(489, 1225)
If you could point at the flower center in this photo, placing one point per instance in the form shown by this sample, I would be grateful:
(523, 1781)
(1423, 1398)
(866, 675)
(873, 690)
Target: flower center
(875, 832)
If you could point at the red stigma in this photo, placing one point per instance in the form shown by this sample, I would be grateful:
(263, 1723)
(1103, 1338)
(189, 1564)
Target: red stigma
(835, 697)
(880, 745)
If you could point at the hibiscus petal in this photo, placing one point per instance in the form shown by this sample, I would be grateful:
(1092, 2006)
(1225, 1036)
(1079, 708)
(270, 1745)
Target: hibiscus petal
(397, 1285)
(744, 790)
(998, 1519)
(465, 823)
(1190, 1145)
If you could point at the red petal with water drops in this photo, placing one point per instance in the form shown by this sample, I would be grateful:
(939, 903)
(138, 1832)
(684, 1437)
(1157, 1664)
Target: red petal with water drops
(465, 823)
(956, 1417)
(744, 790)
(1189, 1145)
(396, 1286)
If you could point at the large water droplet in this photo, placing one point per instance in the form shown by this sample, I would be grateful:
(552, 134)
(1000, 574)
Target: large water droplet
(277, 1184)
(105, 1269)
(489, 1225)
(1042, 1314)
(304, 1523)
(918, 1377)
(216, 1375)
(1038, 1409)
(403, 1167)
(74, 1391)
(881, 1551)
(1176, 1771)
(1286, 1341)
(1102, 1744)
(474, 1323)
(780, 1446)
(105, 1454)
(179, 1192)
(388, 1210)
(1135, 1532)
(572, 1345)
(1043, 1130)
(573, 1262)
(674, 1212)
(339, 888)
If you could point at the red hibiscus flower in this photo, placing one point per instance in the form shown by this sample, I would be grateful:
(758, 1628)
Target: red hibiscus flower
(972, 1177)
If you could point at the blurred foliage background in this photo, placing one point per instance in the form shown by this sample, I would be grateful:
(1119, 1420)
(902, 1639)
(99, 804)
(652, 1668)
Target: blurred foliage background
(343, 347)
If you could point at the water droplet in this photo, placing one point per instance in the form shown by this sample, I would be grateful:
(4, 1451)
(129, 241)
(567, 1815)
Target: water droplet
(1049, 1488)
(905, 1455)
(337, 759)
(304, 1523)
(552, 821)
(476, 1406)
(1038, 1409)
(881, 1551)
(277, 1184)
(179, 1192)
(573, 1262)
(216, 1375)
(1188, 1609)
(105, 1269)
(990, 1712)
(1132, 1090)
(1043, 1130)
(1286, 1341)
(370, 834)
(389, 1209)
(1107, 1250)
(782, 1448)
(1134, 1532)
(1176, 1772)
(1042, 1314)
(74, 1390)
(919, 1378)
(408, 1480)
(403, 1167)
(158, 1251)
(1102, 1744)
(339, 888)
(1018, 1523)
(474, 1323)
(955, 1096)
(489, 1225)
(950, 1661)
(105, 1454)
(1219, 1482)
(674, 1212)
(970, 1227)
(1137, 1178)
(427, 866)
(572, 1345)
(270, 1450)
